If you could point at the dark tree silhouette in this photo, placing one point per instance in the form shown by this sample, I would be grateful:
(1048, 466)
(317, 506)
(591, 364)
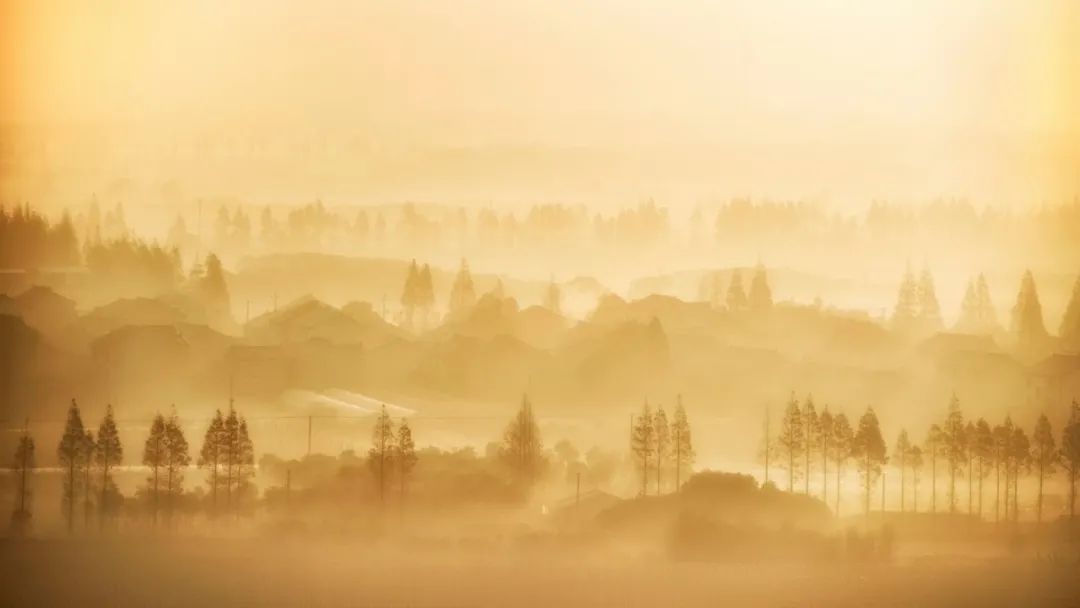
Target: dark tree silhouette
(643, 444)
(1045, 455)
(935, 445)
(211, 456)
(155, 456)
(1020, 456)
(109, 454)
(70, 453)
(868, 450)
(953, 437)
(791, 438)
(983, 447)
(463, 292)
(1027, 318)
(22, 469)
(86, 463)
(914, 460)
(406, 455)
(1003, 434)
(824, 445)
(1070, 454)
(177, 458)
(1070, 322)
(662, 431)
(842, 442)
(760, 293)
(410, 294)
(381, 454)
(900, 456)
(682, 443)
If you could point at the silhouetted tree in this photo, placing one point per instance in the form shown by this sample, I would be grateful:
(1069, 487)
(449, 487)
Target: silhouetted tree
(935, 445)
(842, 442)
(929, 310)
(983, 447)
(1045, 456)
(643, 444)
(900, 456)
(1070, 454)
(110, 453)
(682, 443)
(969, 455)
(405, 456)
(410, 294)
(736, 296)
(977, 314)
(1070, 322)
(1027, 317)
(1003, 434)
(906, 311)
(868, 450)
(381, 454)
(462, 293)
(214, 291)
(760, 293)
(211, 456)
(522, 448)
(22, 469)
(914, 460)
(155, 456)
(791, 438)
(824, 444)
(1020, 456)
(70, 453)
(177, 458)
(954, 440)
(86, 462)
(663, 445)
(810, 437)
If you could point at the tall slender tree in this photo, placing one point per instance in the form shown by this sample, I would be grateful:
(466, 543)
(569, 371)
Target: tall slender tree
(843, 440)
(825, 436)
(1070, 322)
(662, 431)
(86, 465)
(868, 450)
(643, 444)
(903, 449)
(1045, 455)
(1070, 454)
(760, 294)
(953, 437)
(1003, 434)
(110, 453)
(984, 455)
(682, 443)
(380, 456)
(155, 456)
(790, 440)
(522, 448)
(405, 456)
(810, 437)
(934, 445)
(69, 453)
(22, 469)
(1020, 456)
(914, 460)
(177, 458)
(1027, 318)
(211, 456)
(736, 296)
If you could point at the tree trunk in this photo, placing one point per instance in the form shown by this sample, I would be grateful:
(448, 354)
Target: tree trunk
(71, 497)
(839, 466)
(1038, 503)
(104, 484)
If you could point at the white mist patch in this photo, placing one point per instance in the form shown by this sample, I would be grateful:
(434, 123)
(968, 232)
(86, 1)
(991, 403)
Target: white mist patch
(343, 402)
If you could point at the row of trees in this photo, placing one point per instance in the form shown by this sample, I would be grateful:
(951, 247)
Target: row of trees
(917, 311)
(661, 447)
(809, 442)
(735, 297)
(392, 453)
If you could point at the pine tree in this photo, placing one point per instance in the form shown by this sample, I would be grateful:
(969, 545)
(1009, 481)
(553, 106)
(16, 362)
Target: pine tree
(914, 460)
(1020, 456)
(736, 296)
(760, 293)
(968, 321)
(682, 443)
(825, 436)
(903, 449)
(906, 311)
(1070, 454)
(842, 441)
(868, 450)
(231, 441)
(176, 459)
(110, 453)
(983, 447)
(214, 290)
(954, 441)
(410, 294)
(643, 444)
(406, 455)
(1027, 319)
(380, 456)
(86, 463)
(929, 310)
(155, 456)
(663, 440)
(522, 447)
(1070, 323)
(69, 453)
(810, 437)
(211, 456)
(1003, 434)
(935, 446)
(245, 460)
(463, 292)
(790, 440)
(1045, 456)
(987, 316)
(22, 468)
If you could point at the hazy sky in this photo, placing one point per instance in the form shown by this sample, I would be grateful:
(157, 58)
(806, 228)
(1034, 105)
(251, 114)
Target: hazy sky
(966, 97)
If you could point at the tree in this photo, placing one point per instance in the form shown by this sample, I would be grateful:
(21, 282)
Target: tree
(522, 448)
(410, 294)
(736, 297)
(70, 452)
(914, 460)
(22, 468)
(1070, 323)
(929, 310)
(380, 456)
(155, 456)
(109, 454)
(791, 438)
(977, 314)
(663, 443)
(177, 457)
(843, 439)
(462, 292)
(934, 446)
(1003, 434)
(1020, 456)
(682, 444)
(86, 462)
(868, 450)
(245, 460)
(903, 449)
(1027, 318)
(955, 442)
(906, 311)
(760, 293)
(810, 438)
(214, 290)
(825, 433)
(211, 456)
(406, 455)
(983, 448)
(643, 444)
(1045, 456)
(1070, 454)
(426, 294)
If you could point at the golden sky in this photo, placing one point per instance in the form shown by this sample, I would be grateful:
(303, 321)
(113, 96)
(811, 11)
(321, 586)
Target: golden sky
(978, 87)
